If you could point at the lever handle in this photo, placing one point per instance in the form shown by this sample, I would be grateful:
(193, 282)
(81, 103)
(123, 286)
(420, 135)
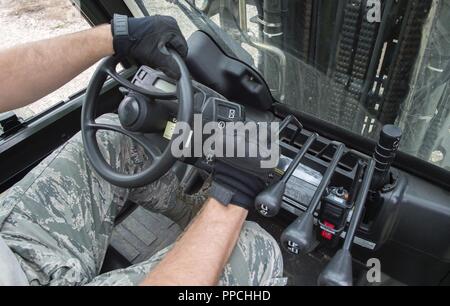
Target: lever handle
(338, 272)
(385, 153)
(299, 237)
(268, 203)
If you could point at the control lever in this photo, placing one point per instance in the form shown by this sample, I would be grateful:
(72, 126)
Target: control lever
(339, 272)
(268, 203)
(286, 122)
(384, 155)
(299, 236)
(356, 186)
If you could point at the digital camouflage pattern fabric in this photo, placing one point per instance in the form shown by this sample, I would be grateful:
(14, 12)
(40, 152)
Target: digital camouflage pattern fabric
(58, 220)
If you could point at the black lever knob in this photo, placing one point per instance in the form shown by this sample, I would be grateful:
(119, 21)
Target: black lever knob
(299, 236)
(268, 203)
(339, 271)
(390, 137)
(384, 155)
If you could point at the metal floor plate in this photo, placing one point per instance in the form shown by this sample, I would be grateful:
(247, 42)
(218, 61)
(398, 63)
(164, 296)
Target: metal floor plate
(142, 234)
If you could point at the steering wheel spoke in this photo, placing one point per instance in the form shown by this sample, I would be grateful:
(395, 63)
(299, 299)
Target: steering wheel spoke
(139, 138)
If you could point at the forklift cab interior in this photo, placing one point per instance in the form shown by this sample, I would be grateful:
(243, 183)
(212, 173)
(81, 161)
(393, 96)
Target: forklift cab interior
(362, 91)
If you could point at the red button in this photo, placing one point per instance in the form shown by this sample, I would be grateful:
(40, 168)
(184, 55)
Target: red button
(325, 234)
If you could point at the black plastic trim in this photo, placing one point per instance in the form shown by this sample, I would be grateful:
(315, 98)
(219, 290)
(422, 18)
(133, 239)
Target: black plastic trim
(210, 65)
(101, 11)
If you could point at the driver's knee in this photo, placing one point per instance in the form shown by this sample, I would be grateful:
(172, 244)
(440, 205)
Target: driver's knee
(107, 139)
(118, 150)
(256, 260)
(110, 142)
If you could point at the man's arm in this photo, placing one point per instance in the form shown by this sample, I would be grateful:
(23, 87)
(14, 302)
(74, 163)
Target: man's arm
(199, 257)
(31, 71)
(201, 254)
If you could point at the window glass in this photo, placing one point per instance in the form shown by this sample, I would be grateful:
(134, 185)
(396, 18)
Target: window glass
(30, 20)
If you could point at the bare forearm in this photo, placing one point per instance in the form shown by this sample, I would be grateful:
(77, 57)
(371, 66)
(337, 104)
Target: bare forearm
(200, 256)
(31, 71)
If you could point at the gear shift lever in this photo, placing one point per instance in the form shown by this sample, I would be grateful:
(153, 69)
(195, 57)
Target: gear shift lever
(268, 203)
(338, 272)
(299, 236)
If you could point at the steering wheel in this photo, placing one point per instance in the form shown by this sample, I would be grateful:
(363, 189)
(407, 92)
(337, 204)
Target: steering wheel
(161, 161)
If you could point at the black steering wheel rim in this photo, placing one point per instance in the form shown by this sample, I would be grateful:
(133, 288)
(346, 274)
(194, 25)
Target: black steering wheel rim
(161, 163)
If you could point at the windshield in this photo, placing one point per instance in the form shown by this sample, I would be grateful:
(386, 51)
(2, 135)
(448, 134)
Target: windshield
(356, 64)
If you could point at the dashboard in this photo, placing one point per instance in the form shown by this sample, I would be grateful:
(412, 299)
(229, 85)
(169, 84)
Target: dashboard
(388, 214)
(307, 176)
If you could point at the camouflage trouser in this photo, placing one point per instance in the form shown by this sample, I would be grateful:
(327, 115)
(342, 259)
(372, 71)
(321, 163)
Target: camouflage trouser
(58, 220)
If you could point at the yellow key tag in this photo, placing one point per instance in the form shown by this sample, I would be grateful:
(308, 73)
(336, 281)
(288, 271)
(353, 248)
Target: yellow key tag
(170, 129)
(279, 171)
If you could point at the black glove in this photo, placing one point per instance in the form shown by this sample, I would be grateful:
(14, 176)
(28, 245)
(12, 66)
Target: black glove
(239, 180)
(144, 40)
(234, 186)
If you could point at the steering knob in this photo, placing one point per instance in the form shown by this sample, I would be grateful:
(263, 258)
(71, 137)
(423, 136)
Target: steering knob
(129, 111)
(135, 115)
(138, 113)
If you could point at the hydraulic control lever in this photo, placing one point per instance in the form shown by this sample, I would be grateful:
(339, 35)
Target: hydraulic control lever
(339, 272)
(299, 236)
(285, 124)
(384, 155)
(268, 203)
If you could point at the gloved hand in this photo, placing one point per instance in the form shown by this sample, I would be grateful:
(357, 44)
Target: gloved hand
(239, 180)
(235, 186)
(143, 39)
